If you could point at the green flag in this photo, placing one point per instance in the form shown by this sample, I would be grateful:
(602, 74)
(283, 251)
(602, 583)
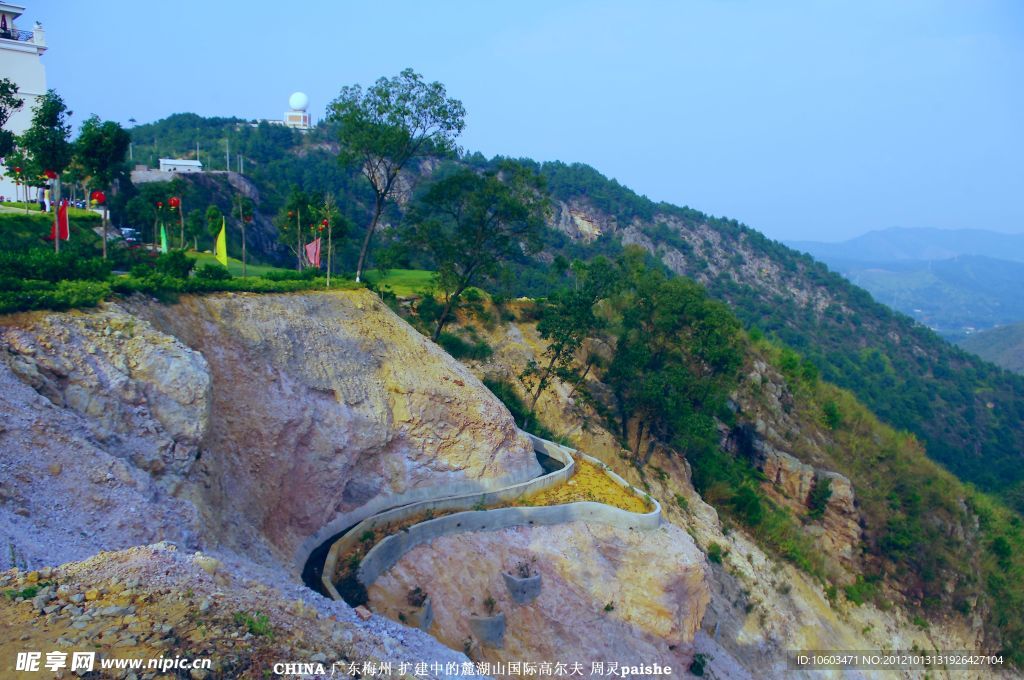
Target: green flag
(163, 239)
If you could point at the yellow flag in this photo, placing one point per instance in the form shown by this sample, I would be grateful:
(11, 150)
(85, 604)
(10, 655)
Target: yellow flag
(222, 244)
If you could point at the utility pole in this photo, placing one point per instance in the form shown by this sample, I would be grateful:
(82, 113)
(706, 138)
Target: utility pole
(227, 154)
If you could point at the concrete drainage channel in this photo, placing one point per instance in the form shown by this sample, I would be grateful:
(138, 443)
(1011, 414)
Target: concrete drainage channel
(466, 513)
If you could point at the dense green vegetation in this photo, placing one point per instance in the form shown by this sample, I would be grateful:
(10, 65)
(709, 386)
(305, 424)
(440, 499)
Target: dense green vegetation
(917, 518)
(969, 414)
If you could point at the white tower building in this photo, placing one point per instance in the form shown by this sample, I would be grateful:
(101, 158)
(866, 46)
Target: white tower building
(298, 117)
(20, 53)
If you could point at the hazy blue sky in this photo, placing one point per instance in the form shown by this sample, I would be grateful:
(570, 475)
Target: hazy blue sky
(803, 119)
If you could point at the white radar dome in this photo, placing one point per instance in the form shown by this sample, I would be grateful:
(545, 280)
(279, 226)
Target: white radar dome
(298, 101)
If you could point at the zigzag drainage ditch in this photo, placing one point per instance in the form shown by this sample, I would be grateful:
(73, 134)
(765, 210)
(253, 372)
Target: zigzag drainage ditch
(574, 487)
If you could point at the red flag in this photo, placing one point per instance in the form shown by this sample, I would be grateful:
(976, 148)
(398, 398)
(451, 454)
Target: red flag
(62, 220)
(313, 252)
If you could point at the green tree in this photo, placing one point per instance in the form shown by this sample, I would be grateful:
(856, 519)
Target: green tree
(469, 223)
(47, 142)
(100, 151)
(214, 220)
(383, 128)
(567, 320)
(676, 356)
(332, 222)
(288, 221)
(243, 209)
(10, 103)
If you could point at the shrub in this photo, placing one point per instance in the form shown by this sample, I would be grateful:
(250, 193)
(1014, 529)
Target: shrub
(817, 500)
(175, 263)
(62, 295)
(213, 272)
(307, 274)
(861, 591)
(257, 624)
(429, 309)
(715, 553)
(41, 264)
(831, 414)
(460, 349)
(698, 664)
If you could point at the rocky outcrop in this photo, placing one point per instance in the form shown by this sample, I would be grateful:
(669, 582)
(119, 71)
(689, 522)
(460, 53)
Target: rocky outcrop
(71, 483)
(246, 426)
(143, 395)
(327, 408)
(158, 601)
(580, 221)
(608, 593)
(277, 419)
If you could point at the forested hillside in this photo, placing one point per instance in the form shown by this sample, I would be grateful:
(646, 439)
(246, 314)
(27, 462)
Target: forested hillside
(1003, 346)
(969, 414)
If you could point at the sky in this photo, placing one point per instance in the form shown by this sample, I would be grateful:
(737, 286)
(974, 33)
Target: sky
(815, 120)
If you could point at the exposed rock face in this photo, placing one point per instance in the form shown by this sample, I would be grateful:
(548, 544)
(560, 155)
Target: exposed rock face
(240, 425)
(581, 222)
(92, 470)
(144, 395)
(841, 520)
(654, 582)
(327, 408)
(272, 416)
(789, 478)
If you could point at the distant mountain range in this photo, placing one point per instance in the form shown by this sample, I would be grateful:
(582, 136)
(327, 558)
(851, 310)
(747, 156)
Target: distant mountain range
(954, 281)
(898, 244)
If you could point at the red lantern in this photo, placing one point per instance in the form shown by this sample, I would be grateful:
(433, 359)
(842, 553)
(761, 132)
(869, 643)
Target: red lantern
(99, 197)
(248, 218)
(50, 174)
(159, 204)
(291, 213)
(17, 170)
(324, 222)
(320, 228)
(174, 201)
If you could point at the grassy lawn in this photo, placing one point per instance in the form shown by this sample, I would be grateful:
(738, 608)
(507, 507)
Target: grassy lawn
(21, 231)
(234, 266)
(402, 282)
(34, 207)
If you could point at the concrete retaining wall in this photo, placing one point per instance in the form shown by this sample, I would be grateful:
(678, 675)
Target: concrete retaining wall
(386, 554)
(389, 550)
(447, 502)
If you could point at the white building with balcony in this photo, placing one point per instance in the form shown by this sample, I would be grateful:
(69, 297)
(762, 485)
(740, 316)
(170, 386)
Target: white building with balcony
(20, 61)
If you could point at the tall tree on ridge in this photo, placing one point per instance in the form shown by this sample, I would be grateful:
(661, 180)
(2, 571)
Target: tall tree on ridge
(388, 125)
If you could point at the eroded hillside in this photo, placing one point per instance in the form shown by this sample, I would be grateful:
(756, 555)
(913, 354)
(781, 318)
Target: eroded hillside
(240, 432)
(836, 575)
